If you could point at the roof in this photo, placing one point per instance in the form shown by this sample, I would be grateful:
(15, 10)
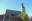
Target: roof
(12, 12)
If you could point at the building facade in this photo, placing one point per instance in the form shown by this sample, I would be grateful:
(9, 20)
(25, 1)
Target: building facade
(11, 15)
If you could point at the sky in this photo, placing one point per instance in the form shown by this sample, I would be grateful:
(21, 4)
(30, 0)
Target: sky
(15, 5)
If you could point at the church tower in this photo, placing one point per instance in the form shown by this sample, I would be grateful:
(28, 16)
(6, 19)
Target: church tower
(23, 14)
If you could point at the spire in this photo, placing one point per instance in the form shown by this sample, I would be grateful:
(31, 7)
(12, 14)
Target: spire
(23, 9)
(22, 5)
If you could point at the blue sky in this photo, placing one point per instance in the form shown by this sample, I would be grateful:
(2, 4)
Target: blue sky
(15, 5)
